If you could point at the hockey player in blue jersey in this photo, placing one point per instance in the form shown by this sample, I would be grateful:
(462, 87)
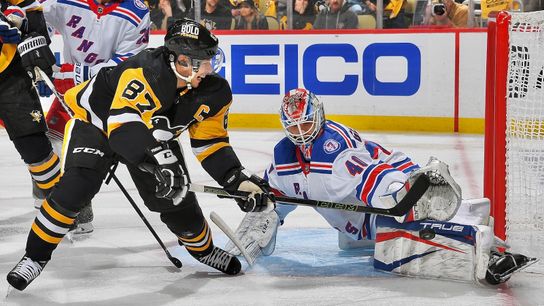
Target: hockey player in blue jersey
(324, 160)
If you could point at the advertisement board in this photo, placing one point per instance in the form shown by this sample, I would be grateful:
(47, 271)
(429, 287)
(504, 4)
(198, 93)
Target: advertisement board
(377, 80)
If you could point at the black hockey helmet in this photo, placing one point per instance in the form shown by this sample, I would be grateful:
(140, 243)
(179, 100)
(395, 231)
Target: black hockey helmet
(188, 37)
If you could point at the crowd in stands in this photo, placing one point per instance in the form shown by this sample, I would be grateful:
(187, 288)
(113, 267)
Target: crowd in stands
(312, 14)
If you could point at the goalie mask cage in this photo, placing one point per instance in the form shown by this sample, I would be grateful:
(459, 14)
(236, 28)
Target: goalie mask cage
(514, 131)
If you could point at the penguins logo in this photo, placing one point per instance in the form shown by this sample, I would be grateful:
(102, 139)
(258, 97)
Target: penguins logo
(36, 115)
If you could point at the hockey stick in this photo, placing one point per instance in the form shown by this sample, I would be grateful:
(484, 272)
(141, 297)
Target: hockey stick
(44, 77)
(402, 208)
(112, 175)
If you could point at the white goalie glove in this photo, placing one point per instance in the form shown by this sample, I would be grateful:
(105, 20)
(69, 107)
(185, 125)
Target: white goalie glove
(443, 198)
(440, 202)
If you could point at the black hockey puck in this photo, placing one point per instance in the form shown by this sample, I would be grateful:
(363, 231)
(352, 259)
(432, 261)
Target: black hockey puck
(427, 234)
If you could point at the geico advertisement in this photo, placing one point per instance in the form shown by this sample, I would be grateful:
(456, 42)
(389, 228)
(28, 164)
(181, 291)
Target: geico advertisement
(407, 74)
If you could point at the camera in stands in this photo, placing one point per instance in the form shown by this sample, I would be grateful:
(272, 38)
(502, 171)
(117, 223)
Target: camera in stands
(438, 9)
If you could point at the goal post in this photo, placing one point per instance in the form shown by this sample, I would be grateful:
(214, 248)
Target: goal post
(514, 130)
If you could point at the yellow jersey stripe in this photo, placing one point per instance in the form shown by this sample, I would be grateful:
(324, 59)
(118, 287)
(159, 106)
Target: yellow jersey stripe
(67, 136)
(211, 127)
(70, 98)
(212, 149)
(6, 55)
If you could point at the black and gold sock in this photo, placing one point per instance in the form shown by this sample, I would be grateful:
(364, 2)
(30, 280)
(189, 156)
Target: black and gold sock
(46, 173)
(48, 229)
(199, 244)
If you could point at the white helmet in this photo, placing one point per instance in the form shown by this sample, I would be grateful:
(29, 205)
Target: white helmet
(301, 107)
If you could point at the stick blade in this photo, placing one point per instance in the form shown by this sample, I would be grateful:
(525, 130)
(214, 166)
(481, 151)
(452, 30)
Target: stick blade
(228, 231)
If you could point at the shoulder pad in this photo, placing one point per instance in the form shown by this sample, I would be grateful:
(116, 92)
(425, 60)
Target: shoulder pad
(215, 92)
(285, 157)
(340, 133)
(137, 7)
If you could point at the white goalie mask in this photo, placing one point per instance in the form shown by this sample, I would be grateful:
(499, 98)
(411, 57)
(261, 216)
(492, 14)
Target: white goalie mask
(302, 116)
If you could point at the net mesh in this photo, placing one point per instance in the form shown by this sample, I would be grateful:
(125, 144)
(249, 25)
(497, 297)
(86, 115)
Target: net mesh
(525, 135)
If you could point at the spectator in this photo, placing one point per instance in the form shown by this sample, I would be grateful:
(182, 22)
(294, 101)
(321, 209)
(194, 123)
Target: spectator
(358, 7)
(449, 13)
(393, 13)
(267, 7)
(250, 18)
(234, 7)
(214, 15)
(336, 16)
(303, 16)
(164, 12)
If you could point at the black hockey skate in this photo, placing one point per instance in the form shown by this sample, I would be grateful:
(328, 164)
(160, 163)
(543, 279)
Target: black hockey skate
(502, 266)
(25, 272)
(222, 260)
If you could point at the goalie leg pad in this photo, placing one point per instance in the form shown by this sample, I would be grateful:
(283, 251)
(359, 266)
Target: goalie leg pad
(432, 249)
(257, 233)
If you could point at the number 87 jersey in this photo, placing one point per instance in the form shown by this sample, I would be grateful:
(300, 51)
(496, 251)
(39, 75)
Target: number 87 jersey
(144, 90)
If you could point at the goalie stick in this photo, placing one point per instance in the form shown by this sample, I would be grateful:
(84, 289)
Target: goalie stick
(229, 233)
(420, 185)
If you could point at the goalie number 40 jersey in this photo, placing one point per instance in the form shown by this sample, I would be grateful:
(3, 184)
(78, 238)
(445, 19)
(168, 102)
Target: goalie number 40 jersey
(343, 168)
(95, 34)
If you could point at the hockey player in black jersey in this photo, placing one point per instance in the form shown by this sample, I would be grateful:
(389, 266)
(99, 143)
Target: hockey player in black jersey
(22, 26)
(133, 113)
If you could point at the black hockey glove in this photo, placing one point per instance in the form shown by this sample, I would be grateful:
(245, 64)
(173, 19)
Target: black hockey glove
(172, 182)
(259, 188)
(35, 52)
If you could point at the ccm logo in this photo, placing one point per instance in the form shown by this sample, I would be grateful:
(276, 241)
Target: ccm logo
(445, 227)
(88, 151)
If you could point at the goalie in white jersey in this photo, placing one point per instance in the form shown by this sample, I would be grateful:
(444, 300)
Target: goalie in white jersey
(95, 34)
(324, 160)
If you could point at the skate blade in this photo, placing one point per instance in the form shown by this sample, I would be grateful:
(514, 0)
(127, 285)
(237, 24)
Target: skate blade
(8, 291)
(79, 236)
(527, 264)
(74, 236)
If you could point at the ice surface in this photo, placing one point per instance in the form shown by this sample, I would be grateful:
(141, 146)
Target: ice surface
(121, 264)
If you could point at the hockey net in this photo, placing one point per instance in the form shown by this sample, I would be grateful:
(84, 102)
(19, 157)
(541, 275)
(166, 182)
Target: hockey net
(514, 136)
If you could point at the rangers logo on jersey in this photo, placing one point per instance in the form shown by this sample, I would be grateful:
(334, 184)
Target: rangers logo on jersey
(139, 4)
(330, 146)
